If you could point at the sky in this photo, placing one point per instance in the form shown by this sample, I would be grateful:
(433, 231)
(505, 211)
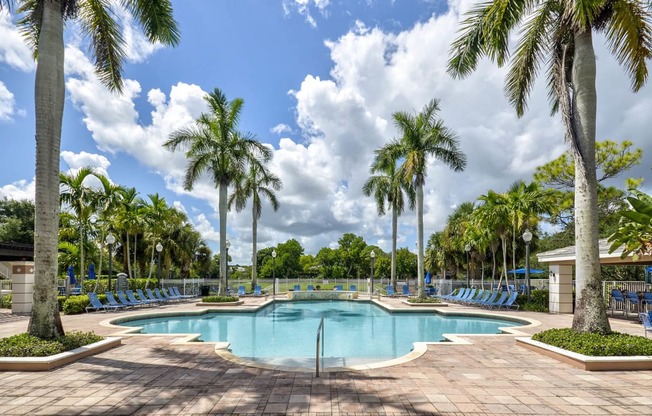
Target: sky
(320, 80)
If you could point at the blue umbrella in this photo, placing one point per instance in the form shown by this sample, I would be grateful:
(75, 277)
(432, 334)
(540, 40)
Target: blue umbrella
(522, 271)
(91, 271)
(71, 275)
(428, 278)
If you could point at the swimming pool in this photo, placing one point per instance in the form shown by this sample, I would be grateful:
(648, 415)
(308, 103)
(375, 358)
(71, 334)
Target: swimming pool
(355, 332)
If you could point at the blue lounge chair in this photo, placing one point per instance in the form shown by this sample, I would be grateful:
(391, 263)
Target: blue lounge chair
(499, 302)
(484, 298)
(338, 287)
(431, 291)
(111, 299)
(123, 299)
(297, 288)
(143, 296)
(617, 300)
(97, 305)
(175, 290)
(311, 287)
(156, 294)
(511, 302)
(647, 300)
(492, 298)
(390, 290)
(646, 321)
(170, 295)
(477, 296)
(132, 298)
(257, 291)
(468, 295)
(353, 288)
(164, 294)
(406, 290)
(631, 298)
(241, 290)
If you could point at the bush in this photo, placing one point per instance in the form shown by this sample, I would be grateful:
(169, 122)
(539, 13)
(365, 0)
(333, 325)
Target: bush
(102, 284)
(424, 300)
(219, 299)
(75, 305)
(539, 301)
(25, 345)
(597, 345)
(6, 302)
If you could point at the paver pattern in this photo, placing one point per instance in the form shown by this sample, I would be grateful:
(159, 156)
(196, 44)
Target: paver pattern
(492, 376)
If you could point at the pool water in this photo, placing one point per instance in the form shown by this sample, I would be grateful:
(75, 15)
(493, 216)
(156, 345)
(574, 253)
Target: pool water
(355, 332)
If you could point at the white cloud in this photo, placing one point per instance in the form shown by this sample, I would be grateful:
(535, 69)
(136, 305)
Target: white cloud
(304, 7)
(20, 190)
(13, 49)
(7, 103)
(281, 128)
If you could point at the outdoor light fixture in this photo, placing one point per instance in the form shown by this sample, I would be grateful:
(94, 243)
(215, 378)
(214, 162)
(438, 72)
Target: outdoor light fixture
(372, 255)
(274, 273)
(110, 239)
(159, 249)
(527, 237)
(467, 248)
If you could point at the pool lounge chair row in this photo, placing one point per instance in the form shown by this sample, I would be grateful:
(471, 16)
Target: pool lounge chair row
(257, 291)
(128, 299)
(484, 298)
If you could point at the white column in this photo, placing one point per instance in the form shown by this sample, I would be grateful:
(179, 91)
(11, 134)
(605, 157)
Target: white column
(22, 287)
(560, 285)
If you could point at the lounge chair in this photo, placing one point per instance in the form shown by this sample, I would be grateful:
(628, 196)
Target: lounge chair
(338, 288)
(511, 302)
(310, 287)
(353, 288)
(468, 295)
(132, 298)
(390, 290)
(97, 305)
(484, 298)
(164, 294)
(143, 296)
(456, 294)
(175, 290)
(241, 291)
(257, 291)
(297, 288)
(647, 300)
(156, 294)
(631, 298)
(406, 290)
(122, 298)
(431, 291)
(111, 299)
(492, 298)
(617, 299)
(499, 302)
(477, 296)
(647, 323)
(170, 295)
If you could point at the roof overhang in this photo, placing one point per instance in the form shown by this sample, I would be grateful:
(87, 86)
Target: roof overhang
(567, 255)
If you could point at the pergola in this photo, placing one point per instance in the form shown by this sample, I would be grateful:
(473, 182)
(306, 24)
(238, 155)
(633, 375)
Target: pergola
(560, 275)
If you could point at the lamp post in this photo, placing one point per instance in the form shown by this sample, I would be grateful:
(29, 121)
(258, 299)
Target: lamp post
(527, 237)
(467, 248)
(372, 257)
(159, 249)
(274, 273)
(110, 239)
(226, 275)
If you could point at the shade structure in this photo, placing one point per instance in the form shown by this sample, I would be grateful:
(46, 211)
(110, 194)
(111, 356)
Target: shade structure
(71, 275)
(91, 272)
(428, 278)
(522, 271)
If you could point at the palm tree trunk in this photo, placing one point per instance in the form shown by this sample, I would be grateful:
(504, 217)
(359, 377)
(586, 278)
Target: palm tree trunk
(128, 256)
(394, 237)
(45, 321)
(151, 263)
(513, 255)
(135, 250)
(81, 256)
(503, 240)
(222, 207)
(493, 266)
(590, 312)
(254, 256)
(419, 200)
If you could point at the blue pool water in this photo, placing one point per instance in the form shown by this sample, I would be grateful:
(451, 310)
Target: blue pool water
(354, 331)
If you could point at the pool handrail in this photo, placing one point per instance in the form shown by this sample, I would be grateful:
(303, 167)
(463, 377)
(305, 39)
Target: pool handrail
(320, 334)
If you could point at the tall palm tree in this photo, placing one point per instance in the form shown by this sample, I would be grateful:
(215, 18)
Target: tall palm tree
(559, 34)
(422, 136)
(256, 184)
(158, 216)
(495, 213)
(42, 24)
(78, 196)
(215, 146)
(105, 202)
(389, 189)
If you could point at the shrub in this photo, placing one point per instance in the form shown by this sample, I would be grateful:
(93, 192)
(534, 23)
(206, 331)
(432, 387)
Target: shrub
(613, 344)
(75, 305)
(424, 300)
(60, 301)
(218, 299)
(25, 345)
(6, 302)
(539, 301)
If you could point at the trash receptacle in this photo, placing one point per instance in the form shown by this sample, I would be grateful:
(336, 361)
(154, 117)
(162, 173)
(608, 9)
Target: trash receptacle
(205, 290)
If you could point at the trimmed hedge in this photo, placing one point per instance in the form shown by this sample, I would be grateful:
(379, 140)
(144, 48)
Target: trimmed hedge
(596, 345)
(6, 302)
(75, 305)
(539, 301)
(219, 299)
(25, 345)
(424, 300)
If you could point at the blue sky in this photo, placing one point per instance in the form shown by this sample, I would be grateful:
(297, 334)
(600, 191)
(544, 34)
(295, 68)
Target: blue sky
(320, 80)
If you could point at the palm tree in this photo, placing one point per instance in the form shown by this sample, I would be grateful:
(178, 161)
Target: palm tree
(105, 201)
(214, 145)
(258, 182)
(560, 34)
(157, 216)
(389, 189)
(77, 196)
(42, 23)
(495, 213)
(423, 135)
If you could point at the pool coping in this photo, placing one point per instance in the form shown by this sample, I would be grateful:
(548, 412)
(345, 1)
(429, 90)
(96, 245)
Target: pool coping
(221, 348)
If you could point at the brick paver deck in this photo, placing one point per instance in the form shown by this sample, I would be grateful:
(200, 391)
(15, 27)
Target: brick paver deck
(491, 376)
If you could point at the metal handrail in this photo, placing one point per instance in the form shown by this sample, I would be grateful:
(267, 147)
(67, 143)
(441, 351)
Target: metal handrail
(320, 335)
(4, 271)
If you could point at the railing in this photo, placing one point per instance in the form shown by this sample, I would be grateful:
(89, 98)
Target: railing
(320, 336)
(4, 271)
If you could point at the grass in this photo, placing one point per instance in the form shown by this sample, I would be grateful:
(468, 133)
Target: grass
(25, 345)
(614, 344)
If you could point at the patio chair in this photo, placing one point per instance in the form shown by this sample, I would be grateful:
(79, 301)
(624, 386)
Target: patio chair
(338, 288)
(132, 298)
(257, 291)
(143, 296)
(111, 299)
(353, 288)
(156, 294)
(310, 287)
(617, 299)
(469, 295)
(492, 298)
(297, 288)
(406, 290)
(164, 294)
(477, 296)
(632, 299)
(647, 323)
(431, 292)
(241, 290)
(511, 302)
(499, 302)
(647, 300)
(123, 299)
(97, 305)
(169, 294)
(485, 297)
(175, 290)
(390, 290)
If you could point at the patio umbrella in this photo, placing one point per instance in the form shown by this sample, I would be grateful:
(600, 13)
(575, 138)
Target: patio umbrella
(91, 271)
(522, 271)
(428, 278)
(71, 275)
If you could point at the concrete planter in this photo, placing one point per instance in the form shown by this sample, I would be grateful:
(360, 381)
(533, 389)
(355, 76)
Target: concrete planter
(53, 361)
(239, 302)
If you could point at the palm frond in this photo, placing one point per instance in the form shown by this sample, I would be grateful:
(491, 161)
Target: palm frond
(468, 48)
(156, 20)
(30, 23)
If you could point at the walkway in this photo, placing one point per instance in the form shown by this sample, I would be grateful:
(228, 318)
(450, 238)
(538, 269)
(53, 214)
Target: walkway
(492, 376)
